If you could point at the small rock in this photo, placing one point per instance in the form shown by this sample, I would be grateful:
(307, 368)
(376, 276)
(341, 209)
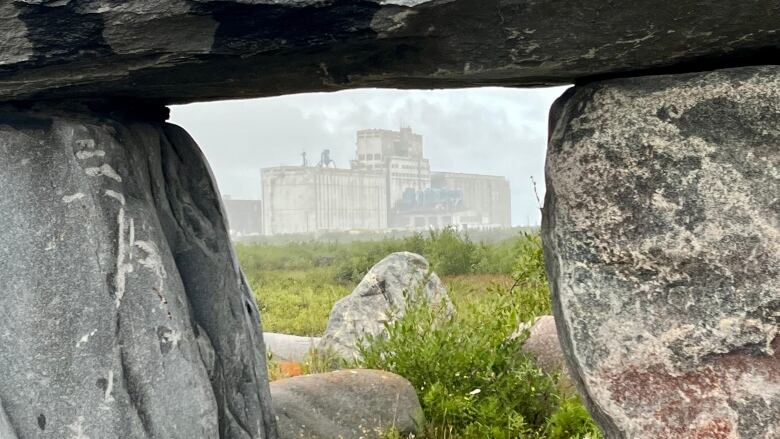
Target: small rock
(351, 403)
(289, 347)
(543, 344)
(381, 297)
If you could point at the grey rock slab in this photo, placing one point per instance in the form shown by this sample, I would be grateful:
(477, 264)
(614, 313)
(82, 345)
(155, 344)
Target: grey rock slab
(289, 347)
(124, 313)
(346, 404)
(381, 297)
(179, 51)
(662, 244)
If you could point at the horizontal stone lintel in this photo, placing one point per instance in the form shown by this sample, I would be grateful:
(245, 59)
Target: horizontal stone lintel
(182, 51)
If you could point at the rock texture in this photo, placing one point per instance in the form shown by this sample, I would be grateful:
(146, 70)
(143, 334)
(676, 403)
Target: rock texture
(124, 313)
(346, 404)
(545, 347)
(543, 344)
(289, 347)
(6, 430)
(175, 51)
(380, 297)
(662, 243)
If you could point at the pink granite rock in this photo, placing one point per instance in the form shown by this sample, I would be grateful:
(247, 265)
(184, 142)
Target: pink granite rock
(662, 244)
(543, 344)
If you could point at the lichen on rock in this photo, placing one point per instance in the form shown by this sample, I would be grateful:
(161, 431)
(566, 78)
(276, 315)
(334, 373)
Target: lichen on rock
(382, 297)
(662, 243)
(124, 312)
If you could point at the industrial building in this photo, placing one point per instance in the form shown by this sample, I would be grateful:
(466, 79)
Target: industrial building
(487, 194)
(389, 185)
(311, 199)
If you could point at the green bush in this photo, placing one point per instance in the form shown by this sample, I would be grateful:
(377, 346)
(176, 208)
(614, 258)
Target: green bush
(352, 268)
(528, 263)
(450, 252)
(529, 277)
(472, 381)
(496, 258)
(571, 421)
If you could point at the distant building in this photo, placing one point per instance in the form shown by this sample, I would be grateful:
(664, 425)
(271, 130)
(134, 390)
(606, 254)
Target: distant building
(396, 154)
(245, 217)
(389, 185)
(487, 194)
(313, 199)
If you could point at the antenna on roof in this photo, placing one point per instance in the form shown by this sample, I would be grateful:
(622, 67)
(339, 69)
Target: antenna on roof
(305, 162)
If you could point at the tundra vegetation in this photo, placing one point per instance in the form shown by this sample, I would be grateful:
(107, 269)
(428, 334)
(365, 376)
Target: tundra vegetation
(472, 380)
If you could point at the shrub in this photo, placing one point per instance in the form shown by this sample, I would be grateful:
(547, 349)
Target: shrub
(496, 258)
(450, 252)
(528, 266)
(571, 421)
(472, 380)
(352, 269)
(529, 277)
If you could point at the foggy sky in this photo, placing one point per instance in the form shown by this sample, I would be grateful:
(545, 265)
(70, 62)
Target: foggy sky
(496, 131)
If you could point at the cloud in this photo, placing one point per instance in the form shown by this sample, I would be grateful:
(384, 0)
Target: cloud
(496, 131)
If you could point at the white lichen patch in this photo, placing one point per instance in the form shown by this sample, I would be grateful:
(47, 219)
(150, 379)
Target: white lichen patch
(85, 143)
(173, 337)
(404, 2)
(385, 23)
(77, 429)
(115, 195)
(153, 261)
(88, 154)
(122, 268)
(71, 198)
(84, 339)
(108, 397)
(104, 170)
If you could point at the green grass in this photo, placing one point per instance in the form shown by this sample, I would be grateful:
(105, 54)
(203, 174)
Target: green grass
(297, 283)
(296, 301)
(472, 381)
